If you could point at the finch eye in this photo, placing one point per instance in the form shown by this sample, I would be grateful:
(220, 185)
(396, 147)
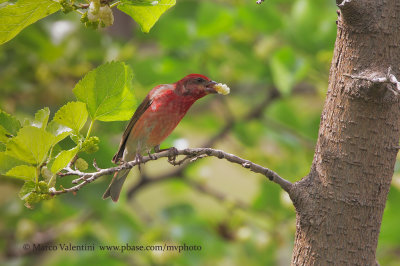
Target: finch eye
(200, 80)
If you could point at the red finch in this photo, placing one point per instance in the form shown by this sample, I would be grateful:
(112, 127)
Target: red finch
(155, 118)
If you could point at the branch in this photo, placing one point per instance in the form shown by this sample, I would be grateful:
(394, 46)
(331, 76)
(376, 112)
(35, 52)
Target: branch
(193, 154)
(342, 3)
(389, 78)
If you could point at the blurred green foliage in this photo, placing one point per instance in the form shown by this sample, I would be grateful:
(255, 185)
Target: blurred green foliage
(282, 44)
(16, 15)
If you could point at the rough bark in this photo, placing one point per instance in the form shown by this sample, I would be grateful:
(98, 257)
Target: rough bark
(340, 203)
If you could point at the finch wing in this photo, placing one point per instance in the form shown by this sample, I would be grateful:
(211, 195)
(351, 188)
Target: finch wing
(138, 113)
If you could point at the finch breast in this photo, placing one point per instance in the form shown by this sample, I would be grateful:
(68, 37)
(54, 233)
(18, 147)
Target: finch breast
(159, 120)
(167, 116)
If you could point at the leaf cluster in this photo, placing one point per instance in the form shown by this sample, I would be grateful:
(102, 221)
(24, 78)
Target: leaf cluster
(15, 16)
(31, 150)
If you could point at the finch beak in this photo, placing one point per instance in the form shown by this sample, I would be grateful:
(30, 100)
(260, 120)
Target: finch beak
(210, 88)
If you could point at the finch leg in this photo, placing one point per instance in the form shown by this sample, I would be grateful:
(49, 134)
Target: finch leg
(152, 157)
(139, 160)
(157, 148)
(120, 162)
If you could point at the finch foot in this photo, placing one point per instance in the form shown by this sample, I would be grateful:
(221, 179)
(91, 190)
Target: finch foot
(173, 152)
(120, 162)
(151, 156)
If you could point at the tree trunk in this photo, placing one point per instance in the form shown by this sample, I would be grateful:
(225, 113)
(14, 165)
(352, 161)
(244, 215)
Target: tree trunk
(340, 203)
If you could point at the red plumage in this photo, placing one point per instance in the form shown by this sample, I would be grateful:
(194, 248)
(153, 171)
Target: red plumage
(154, 119)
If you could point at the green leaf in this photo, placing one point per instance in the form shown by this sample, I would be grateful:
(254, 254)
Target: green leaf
(31, 145)
(73, 115)
(7, 162)
(4, 135)
(107, 92)
(59, 131)
(41, 118)
(62, 159)
(48, 176)
(81, 164)
(146, 15)
(9, 126)
(24, 172)
(14, 17)
(27, 189)
(31, 195)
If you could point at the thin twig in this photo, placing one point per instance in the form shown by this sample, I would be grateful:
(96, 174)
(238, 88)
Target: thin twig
(388, 78)
(95, 165)
(71, 163)
(87, 178)
(342, 2)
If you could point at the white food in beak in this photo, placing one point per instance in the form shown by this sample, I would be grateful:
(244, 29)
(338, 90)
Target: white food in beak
(222, 89)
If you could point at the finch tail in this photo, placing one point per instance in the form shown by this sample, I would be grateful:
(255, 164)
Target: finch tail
(114, 189)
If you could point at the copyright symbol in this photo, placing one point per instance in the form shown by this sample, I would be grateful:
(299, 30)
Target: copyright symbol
(26, 246)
